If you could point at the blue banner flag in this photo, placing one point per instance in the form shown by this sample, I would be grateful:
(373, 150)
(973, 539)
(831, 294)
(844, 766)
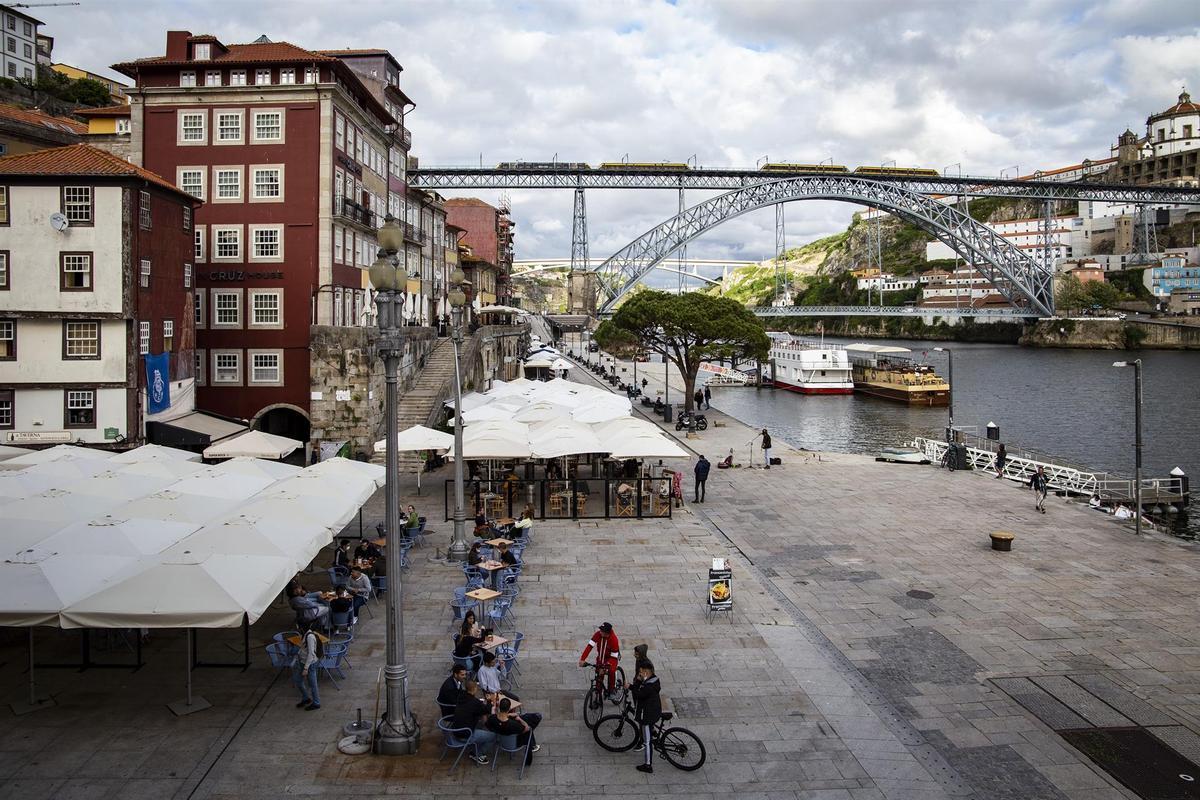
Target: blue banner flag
(158, 382)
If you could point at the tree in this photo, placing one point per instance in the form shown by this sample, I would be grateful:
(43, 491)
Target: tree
(687, 329)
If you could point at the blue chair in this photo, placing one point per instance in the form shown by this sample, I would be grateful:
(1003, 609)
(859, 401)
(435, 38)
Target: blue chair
(459, 609)
(331, 662)
(470, 662)
(281, 659)
(380, 582)
(347, 638)
(501, 610)
(413, 535)
(281, 640)
(455, 739)
(339, 619)
(508, 744)
(509, 652)
(339, 576)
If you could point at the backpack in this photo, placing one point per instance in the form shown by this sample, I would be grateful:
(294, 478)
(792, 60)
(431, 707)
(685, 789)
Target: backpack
(319, 649)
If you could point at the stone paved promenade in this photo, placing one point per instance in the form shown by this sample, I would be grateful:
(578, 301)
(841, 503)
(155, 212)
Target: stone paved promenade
(871, 618)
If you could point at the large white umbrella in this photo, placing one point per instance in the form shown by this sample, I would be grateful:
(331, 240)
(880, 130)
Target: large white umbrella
(20, 483)
(119, 485)
(176, 507)
(472, 400)
(154, 452)
(7, 452)
(563, 438)
(418, 437)
(625, 426)
(542, 411)
(495, 440)
(561, 363)
(349, 469)
(537, 363)
(253, 444)
(486, 413)
(57, 453)
(645, 447)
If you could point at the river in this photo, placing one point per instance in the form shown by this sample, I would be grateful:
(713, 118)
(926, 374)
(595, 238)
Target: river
(1069, 403)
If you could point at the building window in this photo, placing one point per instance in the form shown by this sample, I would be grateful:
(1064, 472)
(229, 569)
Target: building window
(144, 210)
(268, 126)
(168, 335)
(12, 70)
(77, 204)
(191, 180)
(337, 307)
(198, 374)
(262, 77)
(75, 272)
(227, 366)
(144, 274)
(144, 338)
(237, 77)
(7, 417)
(268, 183)
(198, 307)
(79, 408)
(229, 127)
(201, 52)
(187, 276)
(312, 75)
(227, 309)
(228, 244)
(187, 219)
(198, 254)
(337, 245)
(12, 23)
(212, 77)
(266, 308)
(229, 184)
(81, 340)
(267, 242)
(191, 126)
(3, 203)
(266, 368)
(187, 78)
(28, 50)
(12, 45)
(339, 131)
(349, 300)
(5, 282)
(287, 75)
(8, 340)
(1187, 131)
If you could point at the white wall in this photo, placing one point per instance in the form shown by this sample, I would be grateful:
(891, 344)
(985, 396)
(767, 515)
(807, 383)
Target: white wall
(41, 411)
(40, 355)
(34, 249)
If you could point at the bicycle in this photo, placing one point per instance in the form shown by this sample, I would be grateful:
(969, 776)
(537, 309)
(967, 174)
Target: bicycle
(593, 701)
(618, 733)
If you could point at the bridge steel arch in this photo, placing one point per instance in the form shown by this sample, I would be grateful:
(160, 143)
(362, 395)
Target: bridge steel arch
(1016, 276)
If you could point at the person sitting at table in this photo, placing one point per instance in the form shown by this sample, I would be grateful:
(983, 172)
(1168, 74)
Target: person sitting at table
(473, 555)
(307, 609)
(379, 568)
(489, 674)
(471, 713)
(467, 646)
(506, 558)
(452, 689)
(413, 520)
(480, 517)
(625, 491)
(553, 471)
(469, 626)
(341, 556)
(367, 550)
(503, 722)
(343, 603)
(360, 587)
(526, 520)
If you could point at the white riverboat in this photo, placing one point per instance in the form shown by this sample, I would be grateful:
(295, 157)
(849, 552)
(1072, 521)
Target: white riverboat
(809, 367)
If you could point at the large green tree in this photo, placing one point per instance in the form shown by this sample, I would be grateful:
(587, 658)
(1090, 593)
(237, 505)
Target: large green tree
(686, 329)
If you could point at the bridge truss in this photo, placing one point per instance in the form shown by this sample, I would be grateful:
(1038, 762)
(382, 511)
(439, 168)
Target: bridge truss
(892, 311)
(1018, 278)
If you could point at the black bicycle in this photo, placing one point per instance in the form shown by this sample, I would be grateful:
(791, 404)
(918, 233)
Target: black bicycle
(593, 701)
(618, 733)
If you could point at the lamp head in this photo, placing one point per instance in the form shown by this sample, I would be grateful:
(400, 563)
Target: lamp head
(457, 276)
(383, 274)
(1120, 363)
(457, 298)
(391, 237)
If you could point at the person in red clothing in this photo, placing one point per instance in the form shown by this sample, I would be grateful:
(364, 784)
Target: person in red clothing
(608, 651)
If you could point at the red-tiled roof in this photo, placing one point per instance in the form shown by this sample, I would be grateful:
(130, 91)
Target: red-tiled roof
(235, 54)
(119, 110)
(1184, 106)
(31, 117)
(80, 160)
(350, 51)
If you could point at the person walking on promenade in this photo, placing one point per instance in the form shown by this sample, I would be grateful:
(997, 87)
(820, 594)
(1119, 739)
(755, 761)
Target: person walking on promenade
(1038, 484)
(1001, 458)
(702, 467)
(766, 448)
(648, 705)
(305, 668)
(698, 399)
(707, 397)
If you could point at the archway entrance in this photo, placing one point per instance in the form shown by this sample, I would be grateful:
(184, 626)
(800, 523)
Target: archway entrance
(284, 420)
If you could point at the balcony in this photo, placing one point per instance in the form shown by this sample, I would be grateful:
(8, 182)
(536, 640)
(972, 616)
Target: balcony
(413, 234)
(405, 138)
(346, 209)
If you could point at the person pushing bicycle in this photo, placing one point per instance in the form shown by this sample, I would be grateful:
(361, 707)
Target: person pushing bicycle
(648, 708)
(608, 653)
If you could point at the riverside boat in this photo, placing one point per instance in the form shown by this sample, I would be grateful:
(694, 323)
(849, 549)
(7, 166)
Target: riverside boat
(879, 370)
(809, 367)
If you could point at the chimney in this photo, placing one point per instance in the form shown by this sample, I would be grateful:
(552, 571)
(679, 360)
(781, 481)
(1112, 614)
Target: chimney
(177, 42)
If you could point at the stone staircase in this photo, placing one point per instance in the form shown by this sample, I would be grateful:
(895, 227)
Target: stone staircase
(420, 405)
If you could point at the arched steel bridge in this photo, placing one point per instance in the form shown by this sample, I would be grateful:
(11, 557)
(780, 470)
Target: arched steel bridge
(920, 312)
(1016, 276)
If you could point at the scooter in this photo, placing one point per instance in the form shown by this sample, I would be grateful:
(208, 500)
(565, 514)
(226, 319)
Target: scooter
(685, 421)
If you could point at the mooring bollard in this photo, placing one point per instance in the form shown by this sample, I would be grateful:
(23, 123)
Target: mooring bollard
(1002, 541)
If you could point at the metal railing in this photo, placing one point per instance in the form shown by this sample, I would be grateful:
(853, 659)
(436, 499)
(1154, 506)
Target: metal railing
(413, 233)
(350, 210)
(579, 498)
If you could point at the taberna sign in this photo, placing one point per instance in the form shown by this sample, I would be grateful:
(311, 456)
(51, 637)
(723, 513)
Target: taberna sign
(158, 383)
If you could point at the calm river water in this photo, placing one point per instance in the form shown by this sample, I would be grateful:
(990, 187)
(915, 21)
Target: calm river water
(1069, 403)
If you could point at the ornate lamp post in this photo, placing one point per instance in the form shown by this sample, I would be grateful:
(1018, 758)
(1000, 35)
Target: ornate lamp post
(458, 301)
(398, 732)
(950, 377)
(1137, 441)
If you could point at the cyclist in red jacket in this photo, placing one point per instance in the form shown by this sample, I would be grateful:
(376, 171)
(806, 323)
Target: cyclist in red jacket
(608, 651)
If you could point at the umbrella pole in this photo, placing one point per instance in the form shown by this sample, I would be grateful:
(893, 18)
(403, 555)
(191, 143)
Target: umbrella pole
(35, 703)
(190, 705)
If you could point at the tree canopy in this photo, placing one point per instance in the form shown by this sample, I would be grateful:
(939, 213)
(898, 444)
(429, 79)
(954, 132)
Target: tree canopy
(1073, 294)
(686, 328)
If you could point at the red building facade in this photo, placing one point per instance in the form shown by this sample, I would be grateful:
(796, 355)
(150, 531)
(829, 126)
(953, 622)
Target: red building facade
(291, 153)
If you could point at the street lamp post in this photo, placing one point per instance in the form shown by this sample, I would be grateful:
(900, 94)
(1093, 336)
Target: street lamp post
(949, 355)
(458, 301)
(1137, 439)
(398, 732)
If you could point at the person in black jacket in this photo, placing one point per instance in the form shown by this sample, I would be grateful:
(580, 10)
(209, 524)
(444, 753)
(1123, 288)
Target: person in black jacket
(702, 467)
(646, 688)
(766, 448)
(452, 687)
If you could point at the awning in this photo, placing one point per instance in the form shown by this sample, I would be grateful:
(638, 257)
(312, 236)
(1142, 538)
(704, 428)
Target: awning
(196, 430)
(253, 444)
(418, 437)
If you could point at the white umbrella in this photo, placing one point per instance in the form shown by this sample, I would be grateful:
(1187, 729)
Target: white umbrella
(418, 437)
(537, 363)
(472, 400)
(561, 363)
(57, 453)
(154, 452)
(625, 426)
(7, 452)
(176, 507)
(488, 413)
(348, 469)
(542, 411)
(495, 440)
(563, 438)
(253, 444)
(20, 483)
(121, 486)
(598, 412)
(644, 447)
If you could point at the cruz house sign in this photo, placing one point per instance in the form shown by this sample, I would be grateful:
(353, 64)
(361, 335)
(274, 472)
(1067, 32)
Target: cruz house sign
(241, 275)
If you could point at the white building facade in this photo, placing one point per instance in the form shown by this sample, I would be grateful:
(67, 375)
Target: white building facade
(19, 54)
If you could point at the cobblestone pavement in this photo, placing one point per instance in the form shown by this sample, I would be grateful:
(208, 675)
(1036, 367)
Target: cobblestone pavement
(870, 616)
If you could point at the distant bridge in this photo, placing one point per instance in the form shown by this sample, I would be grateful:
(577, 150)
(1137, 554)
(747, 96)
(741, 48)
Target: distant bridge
(1014, 314)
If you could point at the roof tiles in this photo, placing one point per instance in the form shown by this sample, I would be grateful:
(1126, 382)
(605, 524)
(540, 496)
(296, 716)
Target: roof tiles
(80, 160)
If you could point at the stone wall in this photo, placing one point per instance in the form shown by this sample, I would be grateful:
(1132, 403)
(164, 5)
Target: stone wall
(1111, 335)
(347, 386)
(501, 348)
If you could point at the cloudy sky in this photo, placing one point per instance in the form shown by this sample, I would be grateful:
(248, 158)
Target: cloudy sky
(988, 85)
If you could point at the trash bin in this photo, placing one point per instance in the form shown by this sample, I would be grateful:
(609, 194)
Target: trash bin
(958, 456)
(993, 431)
(667, 412)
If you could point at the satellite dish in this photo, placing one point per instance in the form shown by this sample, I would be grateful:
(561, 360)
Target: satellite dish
(58, 221)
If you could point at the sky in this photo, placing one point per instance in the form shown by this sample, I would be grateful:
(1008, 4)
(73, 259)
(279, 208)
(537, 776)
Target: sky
(977, 86)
